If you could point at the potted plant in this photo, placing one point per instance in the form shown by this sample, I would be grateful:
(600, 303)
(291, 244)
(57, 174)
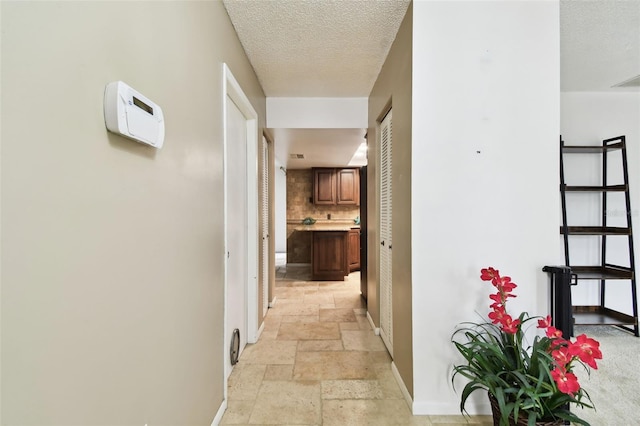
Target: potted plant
(527, 384)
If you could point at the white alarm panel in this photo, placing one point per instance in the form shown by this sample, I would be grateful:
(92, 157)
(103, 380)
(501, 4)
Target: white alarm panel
(129, 113)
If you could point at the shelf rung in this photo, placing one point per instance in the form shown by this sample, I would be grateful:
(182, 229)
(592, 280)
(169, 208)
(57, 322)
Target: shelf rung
(590, 149)
(595, 230)
(585, 188)
(597, 315)
(602, 273)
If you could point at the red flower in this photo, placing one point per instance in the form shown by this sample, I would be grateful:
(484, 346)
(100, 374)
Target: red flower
(488, 274)
(566, 382)
(509, 325)
(496, 297)
(553, 332)
(556, 343)
(544, 323)
(498, 314)
(505, 285)
(562, 356)
(587, 349)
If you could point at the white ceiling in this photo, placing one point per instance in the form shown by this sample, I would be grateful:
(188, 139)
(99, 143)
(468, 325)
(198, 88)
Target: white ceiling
(599, 44)
(335, 48)
(316, 48)
(320, 147)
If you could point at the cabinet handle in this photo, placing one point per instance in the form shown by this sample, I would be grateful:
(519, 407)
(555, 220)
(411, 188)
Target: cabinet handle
(382, 243)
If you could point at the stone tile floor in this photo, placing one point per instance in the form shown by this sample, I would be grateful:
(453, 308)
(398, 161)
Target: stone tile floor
(318, 362)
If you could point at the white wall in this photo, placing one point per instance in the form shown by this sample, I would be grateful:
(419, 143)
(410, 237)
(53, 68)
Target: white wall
(587, 119)
(280, 180)
(485, 171)
(317, 113)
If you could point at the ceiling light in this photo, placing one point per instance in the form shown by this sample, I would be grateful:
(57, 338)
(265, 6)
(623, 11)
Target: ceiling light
(360, 156)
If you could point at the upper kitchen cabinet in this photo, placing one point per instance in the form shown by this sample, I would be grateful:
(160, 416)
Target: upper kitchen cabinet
(336, 186)
(324, 186)
(348, 187)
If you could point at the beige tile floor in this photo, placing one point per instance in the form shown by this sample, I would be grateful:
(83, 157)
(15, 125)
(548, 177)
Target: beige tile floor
(318, 362)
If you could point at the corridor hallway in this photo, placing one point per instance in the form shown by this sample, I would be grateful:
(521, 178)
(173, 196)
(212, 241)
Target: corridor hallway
(318, 362)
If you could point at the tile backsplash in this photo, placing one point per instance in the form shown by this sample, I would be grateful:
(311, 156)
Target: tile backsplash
(299, 206)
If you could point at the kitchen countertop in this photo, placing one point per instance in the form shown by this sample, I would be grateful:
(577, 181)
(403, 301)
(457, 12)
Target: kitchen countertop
(344, 228)
(328, 226)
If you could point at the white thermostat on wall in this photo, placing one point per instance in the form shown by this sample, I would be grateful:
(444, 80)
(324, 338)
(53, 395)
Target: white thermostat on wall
(129, 113)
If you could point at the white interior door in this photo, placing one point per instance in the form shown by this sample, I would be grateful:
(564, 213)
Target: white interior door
(237, 216)
(264, 219)
(241, 212)
(386, 284)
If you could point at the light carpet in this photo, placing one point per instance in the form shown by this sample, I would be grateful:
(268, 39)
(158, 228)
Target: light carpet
(613, 387)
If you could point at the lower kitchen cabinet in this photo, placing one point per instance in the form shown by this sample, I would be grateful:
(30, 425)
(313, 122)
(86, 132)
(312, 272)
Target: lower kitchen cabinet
(354, 249)
(334, 254)
(329, 255)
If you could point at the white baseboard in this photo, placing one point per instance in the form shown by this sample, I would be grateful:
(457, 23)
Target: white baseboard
(259, 333)
(421, 408)
(272, 303)
(376, 330)
(218, 418)
(403, 388)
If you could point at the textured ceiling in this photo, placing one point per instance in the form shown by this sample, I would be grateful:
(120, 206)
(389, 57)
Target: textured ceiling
(600, 44)
(316, 48)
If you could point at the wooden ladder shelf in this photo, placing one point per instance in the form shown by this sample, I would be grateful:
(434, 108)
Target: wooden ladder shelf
(609, 232)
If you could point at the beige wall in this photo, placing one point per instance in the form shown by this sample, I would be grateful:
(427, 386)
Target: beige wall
(393, 89)
(112, 252)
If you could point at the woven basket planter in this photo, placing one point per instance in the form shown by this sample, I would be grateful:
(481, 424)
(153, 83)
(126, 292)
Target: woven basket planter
(522, 421)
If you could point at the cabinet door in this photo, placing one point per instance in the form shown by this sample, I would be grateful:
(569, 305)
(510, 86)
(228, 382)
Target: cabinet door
(329, 259)
(324, 186)
(348, 187)
(354, 250)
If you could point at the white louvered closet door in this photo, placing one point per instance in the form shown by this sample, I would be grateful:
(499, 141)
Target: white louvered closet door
(386, 311)
(264, 218)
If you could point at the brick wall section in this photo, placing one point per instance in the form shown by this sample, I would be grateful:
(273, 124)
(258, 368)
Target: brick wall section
(299, 206)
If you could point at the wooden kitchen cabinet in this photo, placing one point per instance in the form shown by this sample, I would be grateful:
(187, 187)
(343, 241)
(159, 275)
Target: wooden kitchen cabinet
(336, 186)
(329, 255)
(324, 186)
(348, 187)
(354, 249)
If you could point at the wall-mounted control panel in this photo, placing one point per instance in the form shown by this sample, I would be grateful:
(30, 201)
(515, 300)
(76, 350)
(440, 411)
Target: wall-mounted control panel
(129, 113)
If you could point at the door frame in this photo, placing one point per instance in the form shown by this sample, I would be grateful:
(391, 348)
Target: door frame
(233, 91)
